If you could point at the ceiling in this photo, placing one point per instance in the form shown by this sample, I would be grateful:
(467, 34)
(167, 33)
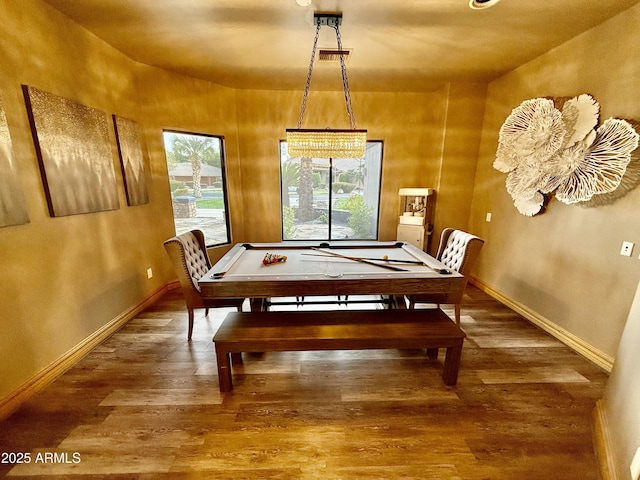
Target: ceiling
(399, 45)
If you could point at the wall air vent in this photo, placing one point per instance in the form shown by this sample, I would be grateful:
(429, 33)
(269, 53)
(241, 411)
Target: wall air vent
(333, 55)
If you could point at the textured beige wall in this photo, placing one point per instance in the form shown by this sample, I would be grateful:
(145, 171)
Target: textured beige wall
(175, 102)
(64, 278)
(456, 176)
(564, 265)
(410, 124)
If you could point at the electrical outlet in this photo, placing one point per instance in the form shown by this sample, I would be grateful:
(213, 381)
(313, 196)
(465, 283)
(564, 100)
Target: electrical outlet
(635, 466)
(627, 248)
(488, 217)
(149, 272)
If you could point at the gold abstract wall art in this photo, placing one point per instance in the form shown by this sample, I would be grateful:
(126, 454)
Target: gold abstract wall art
(74, 154)
(13, 210)
(131, 160)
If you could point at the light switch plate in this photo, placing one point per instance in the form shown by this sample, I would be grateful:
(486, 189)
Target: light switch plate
(627, 248)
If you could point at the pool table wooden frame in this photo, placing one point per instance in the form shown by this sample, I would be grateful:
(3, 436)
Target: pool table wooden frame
(309, 272)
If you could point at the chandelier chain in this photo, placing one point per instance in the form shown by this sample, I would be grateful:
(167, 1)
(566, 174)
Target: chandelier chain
(345, 81)
(303, 107)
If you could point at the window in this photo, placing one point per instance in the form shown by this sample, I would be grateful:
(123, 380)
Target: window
(198, 186)
(331, 199)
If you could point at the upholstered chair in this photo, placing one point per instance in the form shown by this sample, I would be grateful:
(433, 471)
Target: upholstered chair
(188, 253)
(458, 250)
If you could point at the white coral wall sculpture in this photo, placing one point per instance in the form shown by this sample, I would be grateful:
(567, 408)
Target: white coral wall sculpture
(545, 150)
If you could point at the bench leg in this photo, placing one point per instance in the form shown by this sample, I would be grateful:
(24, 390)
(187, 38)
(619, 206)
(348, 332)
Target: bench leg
(432, 353)
(236, 358)
(451, 365)
(224, 371)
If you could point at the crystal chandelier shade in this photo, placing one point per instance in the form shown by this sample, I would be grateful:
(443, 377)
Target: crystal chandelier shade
(328, 143)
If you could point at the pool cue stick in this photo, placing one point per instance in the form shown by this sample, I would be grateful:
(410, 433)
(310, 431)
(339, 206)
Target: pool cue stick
(442, 271)
(356, 259)
(413, 262)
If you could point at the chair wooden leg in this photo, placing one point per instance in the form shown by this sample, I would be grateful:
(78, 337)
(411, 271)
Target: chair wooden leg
(190, 333)
(456, 308)
(206, 312)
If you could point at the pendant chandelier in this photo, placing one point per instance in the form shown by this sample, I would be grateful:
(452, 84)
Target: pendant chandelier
(327, 143)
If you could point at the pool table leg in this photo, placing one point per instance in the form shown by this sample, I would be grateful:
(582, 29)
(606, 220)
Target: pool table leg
(395, 301)
(258, 304)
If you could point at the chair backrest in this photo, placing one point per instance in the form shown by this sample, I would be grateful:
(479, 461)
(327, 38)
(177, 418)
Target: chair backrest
(188, 253)
(458, 250)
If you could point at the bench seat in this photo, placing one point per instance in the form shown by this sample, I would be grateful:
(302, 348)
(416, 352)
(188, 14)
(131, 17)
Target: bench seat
(337, 330)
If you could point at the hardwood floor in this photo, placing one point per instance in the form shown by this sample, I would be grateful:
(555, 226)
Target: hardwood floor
(146, 405)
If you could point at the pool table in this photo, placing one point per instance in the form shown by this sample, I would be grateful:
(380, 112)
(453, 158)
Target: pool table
(390, 269)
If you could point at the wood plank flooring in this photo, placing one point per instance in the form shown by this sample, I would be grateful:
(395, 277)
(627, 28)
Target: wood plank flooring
(146, 405)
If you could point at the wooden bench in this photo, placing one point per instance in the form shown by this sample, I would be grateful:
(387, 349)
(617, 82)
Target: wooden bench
(337, 330)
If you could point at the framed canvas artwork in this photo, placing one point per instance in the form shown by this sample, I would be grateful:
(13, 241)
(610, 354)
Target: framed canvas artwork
(13, 210)
(131, 160)
(74, 154)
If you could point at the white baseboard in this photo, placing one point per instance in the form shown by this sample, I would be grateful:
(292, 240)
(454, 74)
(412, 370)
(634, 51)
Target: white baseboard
(602, 443)
(575, 343)
(13, 400)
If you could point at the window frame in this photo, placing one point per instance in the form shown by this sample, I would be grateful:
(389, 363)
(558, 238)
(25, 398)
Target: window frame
(330, 162)
(223, 180)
